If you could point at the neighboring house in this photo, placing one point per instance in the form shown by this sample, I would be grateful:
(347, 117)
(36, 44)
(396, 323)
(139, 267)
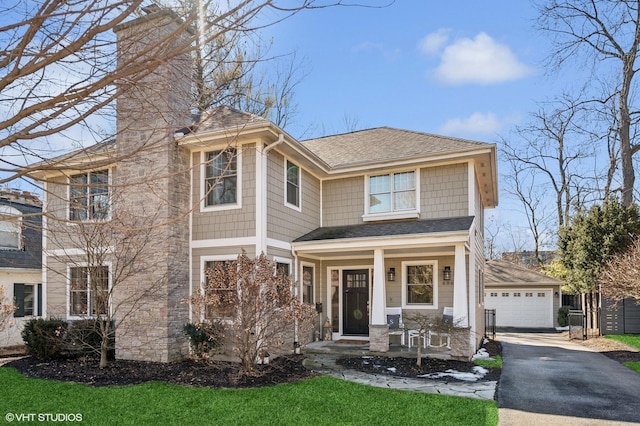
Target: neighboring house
(521, 297)
(363, 221)
(20, 260)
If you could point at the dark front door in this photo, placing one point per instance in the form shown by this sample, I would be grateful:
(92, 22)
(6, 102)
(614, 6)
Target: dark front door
(355, 285)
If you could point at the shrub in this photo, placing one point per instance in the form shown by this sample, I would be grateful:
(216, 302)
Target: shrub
(85, 338)
(204, 337)
(45, 339)
(563, 316)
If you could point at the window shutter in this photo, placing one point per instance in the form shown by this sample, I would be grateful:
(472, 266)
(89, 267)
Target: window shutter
(39, 300)
(18, 296)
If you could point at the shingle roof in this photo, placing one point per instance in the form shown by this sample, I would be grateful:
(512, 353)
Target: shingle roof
(384, 143)
(388, 229)
(227, 118)
(500, 272)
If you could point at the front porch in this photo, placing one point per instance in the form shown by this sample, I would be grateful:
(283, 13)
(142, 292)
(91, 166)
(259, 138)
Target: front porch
(347, 348)
(364, 271)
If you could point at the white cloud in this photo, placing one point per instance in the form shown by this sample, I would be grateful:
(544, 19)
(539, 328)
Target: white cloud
(433, 42)
(477, 123)
(479, 60)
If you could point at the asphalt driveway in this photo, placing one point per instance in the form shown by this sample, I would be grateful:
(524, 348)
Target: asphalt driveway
(547, 379)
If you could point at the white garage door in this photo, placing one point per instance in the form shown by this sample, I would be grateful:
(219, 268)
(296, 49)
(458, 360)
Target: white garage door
(521, 308)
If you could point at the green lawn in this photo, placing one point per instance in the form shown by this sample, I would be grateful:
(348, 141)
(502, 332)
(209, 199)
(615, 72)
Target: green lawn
(496, 362)
(317, 401)
(632, 340)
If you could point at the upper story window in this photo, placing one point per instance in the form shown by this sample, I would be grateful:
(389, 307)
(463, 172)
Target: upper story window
(221, 178)
(89, 196)
(393, 194)
(10, 228)
(292, 190)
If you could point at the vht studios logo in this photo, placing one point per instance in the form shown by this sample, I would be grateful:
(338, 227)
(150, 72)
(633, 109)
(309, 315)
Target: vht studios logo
(43, 417)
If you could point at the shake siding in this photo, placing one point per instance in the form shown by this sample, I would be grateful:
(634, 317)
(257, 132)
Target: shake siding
(444, 192)
(285, 223)
(232, 223)
(231, 252)
(343, 201)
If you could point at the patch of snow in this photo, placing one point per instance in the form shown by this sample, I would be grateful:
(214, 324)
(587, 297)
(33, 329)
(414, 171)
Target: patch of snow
(477, 374)
(481, 354)
(392, 369)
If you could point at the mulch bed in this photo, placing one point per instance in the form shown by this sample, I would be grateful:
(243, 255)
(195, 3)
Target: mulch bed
(221, 374)
(189, 372)
(406, 367)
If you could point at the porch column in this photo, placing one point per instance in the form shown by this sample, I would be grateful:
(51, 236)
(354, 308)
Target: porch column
(460, 299)
(378, 328)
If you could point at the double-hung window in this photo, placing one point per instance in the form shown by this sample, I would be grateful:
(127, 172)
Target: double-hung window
(392, 193)
(221, 294)
(88, 290)
(89, 196)
(292, 185)
(10, 228)
(221, 178)
(419, 284)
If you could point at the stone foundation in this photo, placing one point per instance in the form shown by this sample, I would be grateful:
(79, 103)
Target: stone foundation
(461, 344)
(379, 338)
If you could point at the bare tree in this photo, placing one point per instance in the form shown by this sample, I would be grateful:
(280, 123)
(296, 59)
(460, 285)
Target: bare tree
(58, 68)
(522, 185)
(620, 276)
(7, 308)
(608, 34)
(100, 258)
(261, 304)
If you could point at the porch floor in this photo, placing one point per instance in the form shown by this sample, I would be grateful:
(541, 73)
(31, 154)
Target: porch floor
(350, 348)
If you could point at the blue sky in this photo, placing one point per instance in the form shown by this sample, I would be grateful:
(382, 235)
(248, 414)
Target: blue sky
(465, 68)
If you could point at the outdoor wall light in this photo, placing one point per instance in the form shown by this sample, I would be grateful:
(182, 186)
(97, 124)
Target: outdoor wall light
(391, 275)
(446, 273)
(556, 294)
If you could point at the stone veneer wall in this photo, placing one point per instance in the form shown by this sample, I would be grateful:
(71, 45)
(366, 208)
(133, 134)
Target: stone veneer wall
(151, 186)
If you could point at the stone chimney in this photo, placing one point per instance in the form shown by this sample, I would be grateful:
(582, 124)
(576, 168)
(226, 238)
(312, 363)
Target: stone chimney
(151, 184)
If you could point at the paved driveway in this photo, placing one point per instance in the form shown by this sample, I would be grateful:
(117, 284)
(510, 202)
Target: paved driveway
(546, 379)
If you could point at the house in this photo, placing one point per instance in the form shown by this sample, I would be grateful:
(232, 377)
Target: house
(522, 297)
(20, 260)
(363, 221)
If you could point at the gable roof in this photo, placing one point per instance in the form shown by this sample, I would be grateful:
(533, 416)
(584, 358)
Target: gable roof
(382, 229)
(227, 118)
(503, 273)
(385, 143)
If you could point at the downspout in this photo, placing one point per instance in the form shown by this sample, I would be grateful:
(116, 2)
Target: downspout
(261, 198)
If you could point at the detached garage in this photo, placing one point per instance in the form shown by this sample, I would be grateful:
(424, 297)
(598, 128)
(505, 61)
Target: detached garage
(521, 297)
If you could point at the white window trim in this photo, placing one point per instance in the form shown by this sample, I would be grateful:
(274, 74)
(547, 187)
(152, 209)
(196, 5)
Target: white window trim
(435, 284)
(393, 215)
(286, 203)
(203, 278)
(203, 175)
(284, 260)
(12, 211)
(109, 186)
(313, 285)
(85, 265)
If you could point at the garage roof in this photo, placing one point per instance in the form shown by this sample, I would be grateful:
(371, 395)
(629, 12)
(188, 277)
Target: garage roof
(503, 273)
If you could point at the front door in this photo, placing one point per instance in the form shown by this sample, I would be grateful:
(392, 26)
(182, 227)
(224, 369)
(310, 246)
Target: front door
(355, 314)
